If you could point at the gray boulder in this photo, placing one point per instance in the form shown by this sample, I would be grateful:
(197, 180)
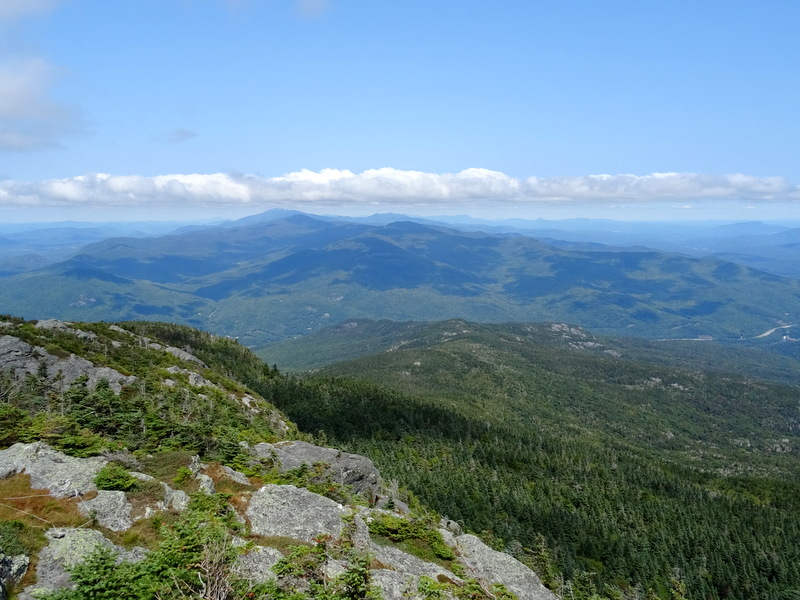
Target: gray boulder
(173, 499)
(111, 509)
(65, 327)
(256, 564)
(400, 586)
(50, 469)
(488, 566)
(206, 483)
(68, 547)
(236, 476)
(288, 511)
(408, 564)
(12, 570)
(184, 355)
(195, 379)
(394, 585)
(343, 467)
(23, 359)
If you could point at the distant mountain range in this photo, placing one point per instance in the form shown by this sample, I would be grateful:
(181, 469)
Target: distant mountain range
(284, 274)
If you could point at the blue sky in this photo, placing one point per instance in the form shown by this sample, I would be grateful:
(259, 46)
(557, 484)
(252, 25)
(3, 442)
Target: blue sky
(153, 109)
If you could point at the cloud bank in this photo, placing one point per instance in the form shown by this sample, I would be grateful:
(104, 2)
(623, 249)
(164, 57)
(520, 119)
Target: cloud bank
(30, 119)
(11, 10)
(389, 187)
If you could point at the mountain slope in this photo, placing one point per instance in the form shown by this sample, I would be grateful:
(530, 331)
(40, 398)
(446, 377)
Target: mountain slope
(633, 471)
(125, 508)
(264, 281)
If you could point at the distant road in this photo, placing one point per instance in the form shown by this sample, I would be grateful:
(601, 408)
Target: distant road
(707, 338)
(771, 331)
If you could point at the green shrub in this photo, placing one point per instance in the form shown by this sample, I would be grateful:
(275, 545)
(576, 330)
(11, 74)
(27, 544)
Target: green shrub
(183, 475)
(114, 477)
(423, 539)
(12, 422)
(11, 538)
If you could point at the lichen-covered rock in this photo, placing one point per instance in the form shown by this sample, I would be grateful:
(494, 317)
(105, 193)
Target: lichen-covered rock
(256, 565)
(68, 547)
(184, 355)
(236, 476)
(195, 466)
(206, 484)
(174, 499)
(111, 509)
(276, 422)
(288, 511)
(195, 379)
(343, 467)
(408, 564)
(402, 586)
(359, 535)
(50, 469)
(12, 570)
(66, 327)
(22, 359)
(489, 566)
(394, 585)
(124, 457)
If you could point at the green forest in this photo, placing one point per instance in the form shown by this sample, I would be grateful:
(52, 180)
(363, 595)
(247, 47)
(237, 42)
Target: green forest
(613, 477)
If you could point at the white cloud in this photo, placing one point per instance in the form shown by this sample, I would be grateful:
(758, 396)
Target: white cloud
(23, 83)
(389, 187)
(29, 119)
(311, 8)
(10, 10)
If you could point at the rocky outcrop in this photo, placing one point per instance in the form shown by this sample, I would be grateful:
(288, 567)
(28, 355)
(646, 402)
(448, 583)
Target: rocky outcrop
(288, 511)
(110, 509)
(184, 355)
(344, 468)
(22, 359)
(174, 499)
(403, 562)
(273, 511)
(236, 476)
(195, 379)
(205, 483)
(66, 327)
(12, 570)
(67, 547)
(489, 566)
(50, 469)
(256, 565)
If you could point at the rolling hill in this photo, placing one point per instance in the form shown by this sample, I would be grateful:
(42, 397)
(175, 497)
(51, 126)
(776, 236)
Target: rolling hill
(264, 280)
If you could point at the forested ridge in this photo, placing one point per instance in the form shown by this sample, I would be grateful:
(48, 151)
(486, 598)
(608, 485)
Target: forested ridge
(612, 477)
(616, 477)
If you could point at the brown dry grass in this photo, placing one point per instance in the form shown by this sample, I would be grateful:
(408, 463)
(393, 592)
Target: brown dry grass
(35, 508)
(222, 483)
(38, 512)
